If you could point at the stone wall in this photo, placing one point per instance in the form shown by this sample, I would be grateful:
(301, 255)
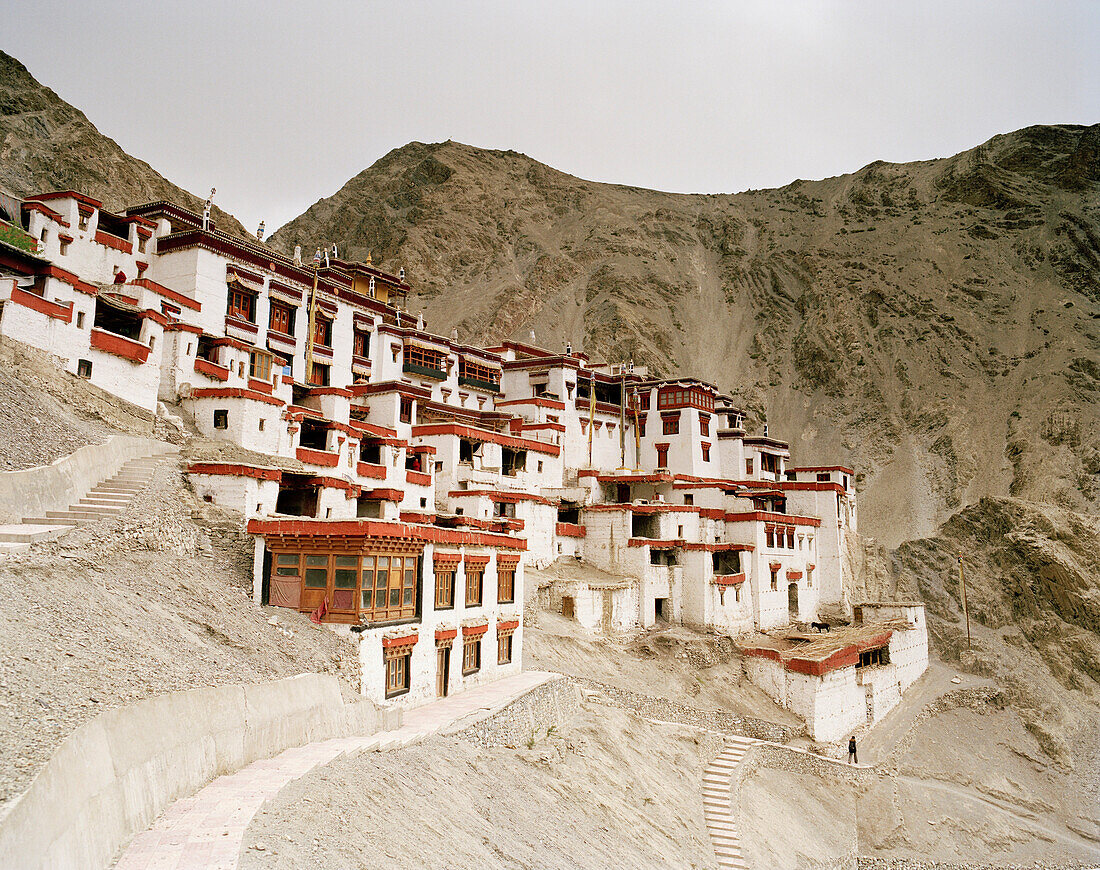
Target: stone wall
(666, 710)
(546, 706)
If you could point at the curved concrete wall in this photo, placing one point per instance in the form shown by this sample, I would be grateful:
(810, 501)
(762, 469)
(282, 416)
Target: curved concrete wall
(53, 487)
(115, 774)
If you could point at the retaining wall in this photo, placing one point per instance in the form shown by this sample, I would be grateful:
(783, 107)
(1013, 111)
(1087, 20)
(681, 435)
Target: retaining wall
(114, 775)
(53, 487)
(550, 704)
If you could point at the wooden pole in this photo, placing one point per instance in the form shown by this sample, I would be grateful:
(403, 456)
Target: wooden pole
(622, 420)
(312, 325)
(966, 612)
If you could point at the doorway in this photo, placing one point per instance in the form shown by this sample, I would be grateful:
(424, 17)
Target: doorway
(792, 600)
(567, 606)
(442, 670)
(660, 609)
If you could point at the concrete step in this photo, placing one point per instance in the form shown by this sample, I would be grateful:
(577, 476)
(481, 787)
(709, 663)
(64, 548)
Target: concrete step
(141, 479)
(123, 491)
(19, 533)
(75, 515)
(95, 509)
(13, 547)
(105, 501)
(65, 520)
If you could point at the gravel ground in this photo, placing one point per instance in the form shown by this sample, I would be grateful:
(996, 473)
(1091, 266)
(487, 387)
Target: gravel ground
(605, 790)
(46, 414)
(149, 602)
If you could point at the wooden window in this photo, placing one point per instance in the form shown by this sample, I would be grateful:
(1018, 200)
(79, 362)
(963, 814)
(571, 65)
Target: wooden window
(642, 401)
(662, 456)
(775, 579)
(221, 419)
(823, 477)
(670, 425)
(748, 467)
(474, 577)
(287, 564)
(444, 589)
(706, 451)
(704, 425)
(84, 368)
(398, 668)
(316, 573)
(388, 588)
(406, 409)
(242, 304)
(809, 576)
(769, 536)
(506, 585)
(322, 332)
(362, 344)
(471, 655)
(477, 372)
(423, 356)
(790, 539)
(504, 648)
(282, 318)
(259, 365)
(641, 427)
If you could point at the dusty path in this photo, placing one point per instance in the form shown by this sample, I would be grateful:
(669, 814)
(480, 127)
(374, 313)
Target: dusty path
(1028, 818)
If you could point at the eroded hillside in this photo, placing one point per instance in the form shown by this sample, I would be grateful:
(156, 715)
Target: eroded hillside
(934, 323)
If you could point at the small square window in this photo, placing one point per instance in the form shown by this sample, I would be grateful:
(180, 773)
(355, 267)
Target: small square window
(84, 368)
(80, 320)
(261, 424)
(423, 502)
(221, 419)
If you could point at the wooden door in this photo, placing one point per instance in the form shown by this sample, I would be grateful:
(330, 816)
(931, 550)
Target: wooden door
(443, 670)
(315, 582)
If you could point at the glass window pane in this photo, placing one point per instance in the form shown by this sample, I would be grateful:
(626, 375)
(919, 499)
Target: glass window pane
(395, 597)
(382, 575)
(287, 559)
(383, 563)
(345, 579)
(347, 561)
(317, 560)
(408, 596)
(287, 571)
(316, 578)
(367, 598)
(380, 599)
(410, 578)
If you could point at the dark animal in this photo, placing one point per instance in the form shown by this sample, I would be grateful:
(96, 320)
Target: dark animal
(819, 626)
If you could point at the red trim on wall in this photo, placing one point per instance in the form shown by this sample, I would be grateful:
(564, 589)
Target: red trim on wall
(161, 290)
(234, 470)
(364, 528)
(500, 495)
(261, 386)
(794, 575)
(211, 370)
(475, 561)
(70, 279)
(385, 494)
(233, 393)
(474, 630)
(369, 469)
(56, 310)
(508, 625)
(403, 640)
(126, 348)
(505, 560)
(485, 435)
(537, 401)
(729, 579)
(570, 530)
(110, 241)
(317, 457)
(446, 633)
(418, 477)
(768, 517)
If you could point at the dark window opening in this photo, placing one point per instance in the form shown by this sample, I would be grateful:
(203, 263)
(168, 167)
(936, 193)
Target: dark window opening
(114, 225)
(467, 450)
(504, 509)
(84, 368)
(297, 497)
(661, 609)
(322, 332)
(568, 606)
(873, 657)
(314, 435)
(644, 525)
(119, 322)
(281, 319)
(823, 476)
(371, 508)
(370, 452)
(221, 419)
(569, 515)
(406, 409)
(513, 461)
(320, 375)
(726, 562)
(414, 462)
(207, 350)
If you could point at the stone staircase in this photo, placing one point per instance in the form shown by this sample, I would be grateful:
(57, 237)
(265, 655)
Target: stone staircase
(109, 498)
(717, 794)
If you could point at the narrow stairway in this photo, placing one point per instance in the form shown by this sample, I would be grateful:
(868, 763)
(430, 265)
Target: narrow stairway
(108, 498)
(717, 809)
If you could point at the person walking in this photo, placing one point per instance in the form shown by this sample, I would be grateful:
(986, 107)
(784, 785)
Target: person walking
(852, 759)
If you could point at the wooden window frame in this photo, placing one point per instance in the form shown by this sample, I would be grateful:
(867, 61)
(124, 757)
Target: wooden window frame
(504, 644)
(475, 582)
(361, 344)
(506, 585)
(471, 655)
(322, 332)
(428, 358)
(670, 424)
(706, 451)
(241, 304)
(405, 410)
(281, 315)
(260, 365)
(704, 425)
(748, 466)
(662, 455)
(444, 588)
(398, 671)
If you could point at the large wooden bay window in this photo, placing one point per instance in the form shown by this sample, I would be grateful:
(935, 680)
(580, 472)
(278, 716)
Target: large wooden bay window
(357, 586)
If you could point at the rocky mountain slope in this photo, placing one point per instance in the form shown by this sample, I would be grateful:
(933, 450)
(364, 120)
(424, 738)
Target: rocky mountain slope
(936, 324)
(46, 144)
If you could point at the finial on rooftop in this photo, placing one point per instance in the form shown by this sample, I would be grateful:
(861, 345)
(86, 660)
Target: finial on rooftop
(370, 259)
(454, 333)
(531, 336)
(568, 349)
(420, 322)
(206, 207)
(297, 255)
(401, 273)
(260, 232)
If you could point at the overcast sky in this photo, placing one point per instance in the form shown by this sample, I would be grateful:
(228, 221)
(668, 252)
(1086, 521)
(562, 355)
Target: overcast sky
(277, 104)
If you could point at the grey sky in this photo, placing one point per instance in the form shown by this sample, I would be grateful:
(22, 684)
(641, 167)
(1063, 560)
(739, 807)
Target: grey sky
(277, 104)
